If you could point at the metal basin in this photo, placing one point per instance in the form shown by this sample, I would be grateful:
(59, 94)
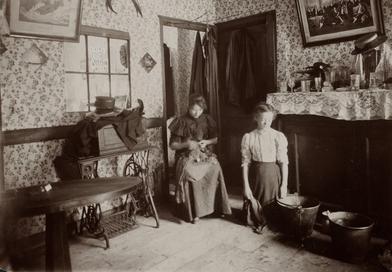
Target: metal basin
(297, 215)
(350, 233)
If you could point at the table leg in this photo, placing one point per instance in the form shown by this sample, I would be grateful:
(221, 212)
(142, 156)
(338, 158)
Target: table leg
(57, 247)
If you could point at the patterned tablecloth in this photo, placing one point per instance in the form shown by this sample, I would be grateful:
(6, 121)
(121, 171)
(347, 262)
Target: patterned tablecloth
(354, 105)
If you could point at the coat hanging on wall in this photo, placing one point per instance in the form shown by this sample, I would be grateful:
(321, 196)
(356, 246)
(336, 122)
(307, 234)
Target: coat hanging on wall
(211, 74)
(198, 81)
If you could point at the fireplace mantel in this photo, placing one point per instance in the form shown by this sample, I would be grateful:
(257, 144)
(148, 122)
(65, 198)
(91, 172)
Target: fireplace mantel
(373, 104)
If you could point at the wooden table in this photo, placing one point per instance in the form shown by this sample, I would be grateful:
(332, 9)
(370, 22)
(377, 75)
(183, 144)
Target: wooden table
(64, 196)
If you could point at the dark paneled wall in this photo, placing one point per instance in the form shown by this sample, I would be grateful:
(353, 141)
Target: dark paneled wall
(345, 164)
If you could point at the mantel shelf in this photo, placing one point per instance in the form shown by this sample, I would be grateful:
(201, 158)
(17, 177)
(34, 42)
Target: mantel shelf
(373, 104)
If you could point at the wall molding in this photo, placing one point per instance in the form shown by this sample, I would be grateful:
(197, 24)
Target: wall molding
(32, 135)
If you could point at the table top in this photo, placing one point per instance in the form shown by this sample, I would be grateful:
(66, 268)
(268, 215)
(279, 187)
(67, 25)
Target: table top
(66, 195)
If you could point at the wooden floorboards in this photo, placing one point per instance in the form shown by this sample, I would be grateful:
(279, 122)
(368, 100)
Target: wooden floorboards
(214, 244)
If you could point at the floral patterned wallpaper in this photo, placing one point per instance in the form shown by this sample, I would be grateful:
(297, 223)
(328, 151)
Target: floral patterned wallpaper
(291, 54)
(33, 96)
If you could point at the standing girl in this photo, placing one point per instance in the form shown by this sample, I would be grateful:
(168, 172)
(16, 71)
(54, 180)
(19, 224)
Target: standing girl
(264, 165)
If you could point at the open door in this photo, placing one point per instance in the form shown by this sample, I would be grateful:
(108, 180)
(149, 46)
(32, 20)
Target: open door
(236, 119)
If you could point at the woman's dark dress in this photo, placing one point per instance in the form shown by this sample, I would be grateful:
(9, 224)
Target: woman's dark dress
(199, 180)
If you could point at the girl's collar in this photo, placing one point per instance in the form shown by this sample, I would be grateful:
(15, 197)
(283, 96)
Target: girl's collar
(262, 131)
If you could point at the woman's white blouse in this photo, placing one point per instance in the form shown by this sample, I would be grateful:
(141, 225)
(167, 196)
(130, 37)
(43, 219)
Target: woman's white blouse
(267, 145)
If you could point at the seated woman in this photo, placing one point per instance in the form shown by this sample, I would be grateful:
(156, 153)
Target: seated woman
(264, 165)
(199, 180)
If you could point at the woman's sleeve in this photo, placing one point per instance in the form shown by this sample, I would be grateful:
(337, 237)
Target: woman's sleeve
(177, 130)
(212, 127)
(246, 155)
(281, 148)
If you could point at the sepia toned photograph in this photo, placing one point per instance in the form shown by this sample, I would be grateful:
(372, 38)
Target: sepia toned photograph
(45, 19)
(326, 21)
(196, 136)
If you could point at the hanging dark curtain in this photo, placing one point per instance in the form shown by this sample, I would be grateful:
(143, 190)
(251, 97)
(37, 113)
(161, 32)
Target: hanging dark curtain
(211, 74)
(170, 110)
(198, 83)
(240, 80)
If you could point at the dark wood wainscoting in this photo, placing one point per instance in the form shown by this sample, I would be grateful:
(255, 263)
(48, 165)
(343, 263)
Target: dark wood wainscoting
(31, 135)
(345, 164)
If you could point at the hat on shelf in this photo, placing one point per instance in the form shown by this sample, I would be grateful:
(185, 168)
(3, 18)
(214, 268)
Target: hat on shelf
(103, 104)
(368, 42)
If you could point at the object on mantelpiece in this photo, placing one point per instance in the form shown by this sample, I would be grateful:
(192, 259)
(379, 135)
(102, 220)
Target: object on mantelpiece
(340, 76)
(384, 68)
(388, 83)
(367, 43)
(318, 69)
(367, 55)
(327, 87)
(35, 56)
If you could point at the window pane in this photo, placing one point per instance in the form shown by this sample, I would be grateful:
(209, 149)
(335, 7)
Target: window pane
(75, 55)
(99, 86)
(98, 54)
(120, 85)
(76, 92)
(119, 56)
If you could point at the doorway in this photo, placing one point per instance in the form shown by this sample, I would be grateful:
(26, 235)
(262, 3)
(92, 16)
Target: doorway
(236, 119)
(177, 45)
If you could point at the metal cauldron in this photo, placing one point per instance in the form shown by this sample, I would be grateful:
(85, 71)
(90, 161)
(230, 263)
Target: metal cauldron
(350, 233)
(297, 215)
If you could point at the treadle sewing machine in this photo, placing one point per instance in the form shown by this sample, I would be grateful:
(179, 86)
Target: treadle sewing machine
(138, 200)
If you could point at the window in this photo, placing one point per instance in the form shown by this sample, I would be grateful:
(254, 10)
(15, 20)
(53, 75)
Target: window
(96, 66)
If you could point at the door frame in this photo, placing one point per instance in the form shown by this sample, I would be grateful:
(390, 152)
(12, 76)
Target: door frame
(183, 24)
(269, 20)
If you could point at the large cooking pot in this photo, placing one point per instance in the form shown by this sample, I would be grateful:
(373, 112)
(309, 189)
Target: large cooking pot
(297, 215)
(350, 233)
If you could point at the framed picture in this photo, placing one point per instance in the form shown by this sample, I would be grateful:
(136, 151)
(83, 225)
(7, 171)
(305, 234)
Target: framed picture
(330, 21)
(45, 19)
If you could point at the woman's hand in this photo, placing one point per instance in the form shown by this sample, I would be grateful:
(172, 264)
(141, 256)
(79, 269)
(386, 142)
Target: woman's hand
(192, 145)
(203, 144)
(248, 193)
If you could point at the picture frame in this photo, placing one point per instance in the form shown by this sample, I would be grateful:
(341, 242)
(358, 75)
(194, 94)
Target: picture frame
(147, 62)
(45, 19)
(331, 21)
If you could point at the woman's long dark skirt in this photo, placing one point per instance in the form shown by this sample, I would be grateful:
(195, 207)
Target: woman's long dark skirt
(265, 180)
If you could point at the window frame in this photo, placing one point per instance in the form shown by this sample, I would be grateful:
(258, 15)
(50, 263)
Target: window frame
(90, 31)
